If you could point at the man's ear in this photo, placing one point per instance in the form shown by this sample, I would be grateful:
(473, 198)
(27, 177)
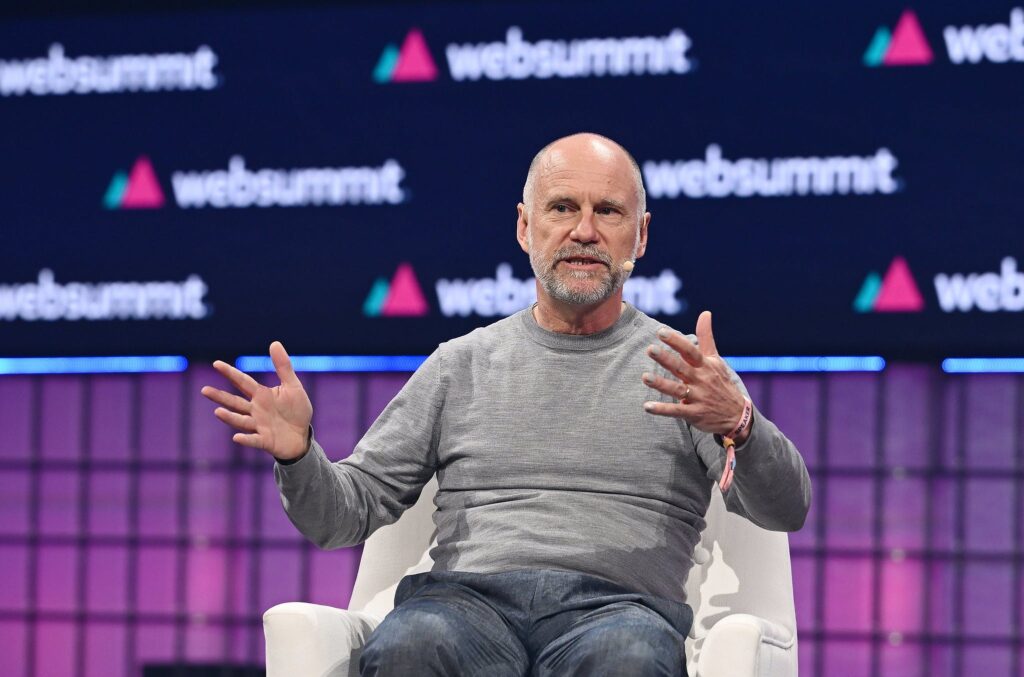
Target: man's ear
(642, 247)
(521, 226)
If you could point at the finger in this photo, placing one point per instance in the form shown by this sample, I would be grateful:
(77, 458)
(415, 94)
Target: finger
(225, 399)
(283, 365)
(237, 421)
(246, 384)
(706, 339)
(681, 345)
(668, 409)
(671, 387)
(672, 362)
(248, 440)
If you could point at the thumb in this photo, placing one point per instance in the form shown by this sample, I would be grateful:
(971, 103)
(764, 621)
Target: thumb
(705, 339)
(283, 365)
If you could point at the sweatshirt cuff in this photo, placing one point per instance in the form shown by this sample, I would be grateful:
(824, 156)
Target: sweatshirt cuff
(305, 466)
(760, 452)
(293, 461)
(755, 420)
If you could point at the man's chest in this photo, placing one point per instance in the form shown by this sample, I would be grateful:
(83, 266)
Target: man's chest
(562, 423)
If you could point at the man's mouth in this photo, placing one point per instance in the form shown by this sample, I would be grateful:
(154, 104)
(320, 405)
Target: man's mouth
(583, 262)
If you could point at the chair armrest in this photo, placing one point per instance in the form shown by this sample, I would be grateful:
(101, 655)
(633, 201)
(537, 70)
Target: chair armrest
(742, 645)
(314, 640)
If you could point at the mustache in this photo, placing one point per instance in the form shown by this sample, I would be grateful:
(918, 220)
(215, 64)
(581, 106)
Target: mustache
(581, 250)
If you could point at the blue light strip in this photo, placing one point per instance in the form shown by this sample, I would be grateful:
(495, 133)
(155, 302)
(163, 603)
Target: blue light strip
(408, 363)
(816, 363)
(129, 364)
(262, 363)
(983, 365)
(356, 363)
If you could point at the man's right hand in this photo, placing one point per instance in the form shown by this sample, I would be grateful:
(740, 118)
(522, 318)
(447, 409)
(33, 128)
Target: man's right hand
(273, 419)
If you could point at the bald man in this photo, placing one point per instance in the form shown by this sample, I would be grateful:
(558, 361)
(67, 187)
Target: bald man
(576, 444)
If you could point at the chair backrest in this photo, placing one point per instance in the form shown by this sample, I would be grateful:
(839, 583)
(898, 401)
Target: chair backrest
(739, 568)
(392, 552)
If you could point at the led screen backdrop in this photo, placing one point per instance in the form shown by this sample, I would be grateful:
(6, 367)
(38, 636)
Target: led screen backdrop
(134, 534)
(826, 179)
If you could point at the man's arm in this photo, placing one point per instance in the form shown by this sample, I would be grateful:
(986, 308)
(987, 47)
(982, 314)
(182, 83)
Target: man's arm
(337, 504)
(340, 504)
(770, 485)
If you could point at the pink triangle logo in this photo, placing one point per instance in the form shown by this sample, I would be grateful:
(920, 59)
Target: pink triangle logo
(143, 190)
(414, 61)
(908, 46)
(899, 292)
(405, 298)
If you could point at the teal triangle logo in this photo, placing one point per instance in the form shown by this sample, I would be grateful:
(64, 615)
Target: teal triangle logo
(115, 191)
(386, 65)
(875, 52)
(375, 299)
(865, 301)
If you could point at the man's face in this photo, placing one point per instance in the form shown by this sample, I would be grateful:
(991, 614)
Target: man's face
(583, 222)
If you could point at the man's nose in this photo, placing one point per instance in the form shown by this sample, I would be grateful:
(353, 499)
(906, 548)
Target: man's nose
(585, 230)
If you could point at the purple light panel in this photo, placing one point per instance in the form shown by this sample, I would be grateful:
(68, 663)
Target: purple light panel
(133, 531)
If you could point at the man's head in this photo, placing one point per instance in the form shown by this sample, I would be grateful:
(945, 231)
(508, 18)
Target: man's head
(583, 215)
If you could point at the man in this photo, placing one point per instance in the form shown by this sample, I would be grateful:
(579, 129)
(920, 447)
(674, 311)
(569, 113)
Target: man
(575, 444)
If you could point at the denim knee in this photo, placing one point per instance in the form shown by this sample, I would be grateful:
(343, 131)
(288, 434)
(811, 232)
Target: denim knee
(634, 650)
(411, 642)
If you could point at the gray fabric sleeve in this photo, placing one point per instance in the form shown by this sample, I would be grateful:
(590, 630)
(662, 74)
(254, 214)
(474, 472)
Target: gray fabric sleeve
(770, 486)
(341, 504)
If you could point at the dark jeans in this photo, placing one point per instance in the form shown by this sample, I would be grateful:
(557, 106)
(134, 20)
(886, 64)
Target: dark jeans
(529, 622)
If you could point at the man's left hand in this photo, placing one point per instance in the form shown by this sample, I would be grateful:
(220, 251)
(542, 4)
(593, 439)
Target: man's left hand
(707, 397)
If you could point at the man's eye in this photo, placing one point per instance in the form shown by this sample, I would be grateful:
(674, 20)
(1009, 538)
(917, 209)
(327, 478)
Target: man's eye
(561, 209)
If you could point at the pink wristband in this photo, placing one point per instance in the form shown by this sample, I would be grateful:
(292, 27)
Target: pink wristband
(748, 411)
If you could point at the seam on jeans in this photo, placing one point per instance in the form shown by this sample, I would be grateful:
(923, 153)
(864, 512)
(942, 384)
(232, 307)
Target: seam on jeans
(530, 615)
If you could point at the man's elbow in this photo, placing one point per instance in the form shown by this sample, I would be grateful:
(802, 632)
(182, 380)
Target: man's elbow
(332, 540)
(790, 518)
(798, 517)
(796, 523)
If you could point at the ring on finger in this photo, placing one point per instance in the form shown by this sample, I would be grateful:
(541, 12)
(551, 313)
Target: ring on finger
(686, 395)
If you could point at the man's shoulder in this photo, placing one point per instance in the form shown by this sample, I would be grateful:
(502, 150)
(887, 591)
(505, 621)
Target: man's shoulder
(489, 338)
(648, 328)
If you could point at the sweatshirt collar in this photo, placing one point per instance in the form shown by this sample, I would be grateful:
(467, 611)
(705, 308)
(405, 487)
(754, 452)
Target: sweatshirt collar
(621, 329)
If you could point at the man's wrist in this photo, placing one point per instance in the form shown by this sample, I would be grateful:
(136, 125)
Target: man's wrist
(741, 430)
(744, 434)
(308, 446)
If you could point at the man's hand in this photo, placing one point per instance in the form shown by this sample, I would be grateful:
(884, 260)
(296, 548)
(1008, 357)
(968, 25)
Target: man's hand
(708, 399)
(273, 419)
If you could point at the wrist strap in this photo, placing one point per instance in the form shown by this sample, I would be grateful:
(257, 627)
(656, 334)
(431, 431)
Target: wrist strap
(730, 464)
(730, 446)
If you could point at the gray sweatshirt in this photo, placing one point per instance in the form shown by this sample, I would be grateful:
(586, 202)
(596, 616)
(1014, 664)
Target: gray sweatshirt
(545, 459)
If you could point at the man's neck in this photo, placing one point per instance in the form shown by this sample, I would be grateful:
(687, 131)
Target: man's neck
(564, 318)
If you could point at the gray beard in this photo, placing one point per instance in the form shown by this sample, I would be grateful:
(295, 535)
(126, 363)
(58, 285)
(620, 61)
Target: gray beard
(559, 289)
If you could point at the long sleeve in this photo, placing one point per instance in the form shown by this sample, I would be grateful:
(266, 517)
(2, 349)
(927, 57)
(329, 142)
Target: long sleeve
(770, 486)
(340, 504)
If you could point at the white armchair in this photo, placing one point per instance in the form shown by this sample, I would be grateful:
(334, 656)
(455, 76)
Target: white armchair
(740, 588)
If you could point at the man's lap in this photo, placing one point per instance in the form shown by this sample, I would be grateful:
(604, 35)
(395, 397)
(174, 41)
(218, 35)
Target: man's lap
(558, 622)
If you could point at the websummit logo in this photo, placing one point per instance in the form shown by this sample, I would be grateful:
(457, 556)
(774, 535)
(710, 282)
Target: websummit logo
(403, 297)
(895, 293)
(137, 190)
(904, 46)
(411, 63)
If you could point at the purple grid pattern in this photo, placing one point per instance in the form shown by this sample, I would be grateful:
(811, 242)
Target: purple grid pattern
(133, 531)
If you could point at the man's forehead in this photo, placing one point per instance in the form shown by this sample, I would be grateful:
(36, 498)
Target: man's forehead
(600, 169)
(575, 152)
